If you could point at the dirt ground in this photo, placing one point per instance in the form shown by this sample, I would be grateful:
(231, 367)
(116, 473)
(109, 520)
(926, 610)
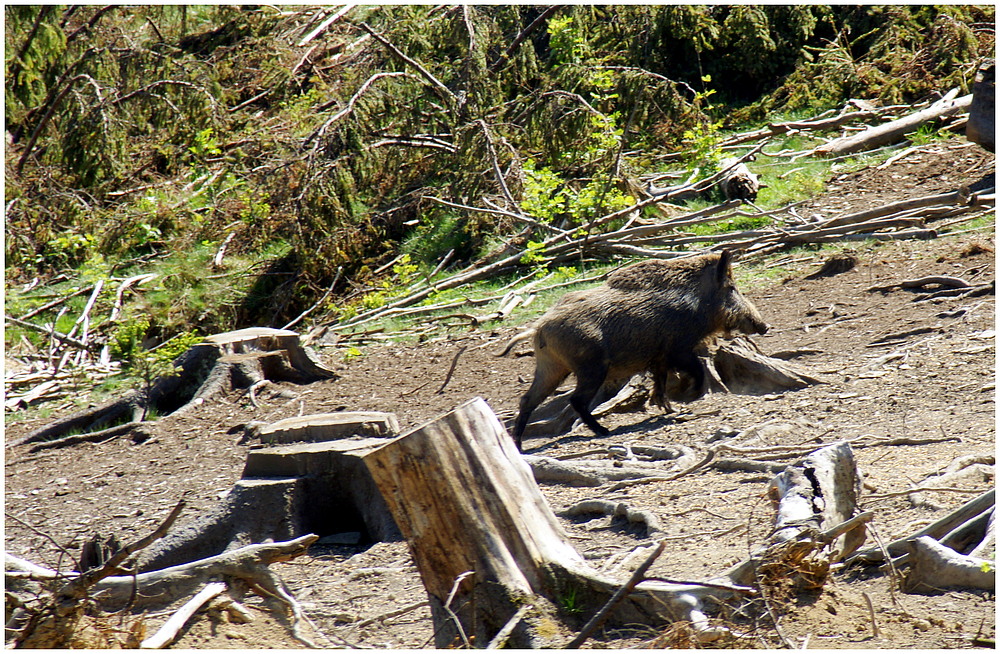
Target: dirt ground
(939, 389)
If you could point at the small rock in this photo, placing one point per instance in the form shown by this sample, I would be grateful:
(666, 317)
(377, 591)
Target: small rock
(921, 625)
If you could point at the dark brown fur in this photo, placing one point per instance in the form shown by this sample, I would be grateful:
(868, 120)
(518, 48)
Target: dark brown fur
(648, 316)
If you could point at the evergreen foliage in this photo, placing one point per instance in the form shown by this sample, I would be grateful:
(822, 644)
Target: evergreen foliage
(135, 132)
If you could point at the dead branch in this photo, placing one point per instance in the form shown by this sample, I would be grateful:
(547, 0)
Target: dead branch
(325, 24)
(392, 614)
(80, 345)
(615, 599)
(167, 633)
(321, 130)
(56, 302)
(491, 149)
(396, 52)
(895, 130)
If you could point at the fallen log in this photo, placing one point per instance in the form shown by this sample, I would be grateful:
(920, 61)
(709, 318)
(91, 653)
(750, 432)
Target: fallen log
(893, 131)
(486, 544)
(936, 529)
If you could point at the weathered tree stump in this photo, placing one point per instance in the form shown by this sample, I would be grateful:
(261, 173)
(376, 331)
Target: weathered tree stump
(745, 370)
(329, 426)
(981, 127)
(286, 491)
(235, 359)
(466, 502)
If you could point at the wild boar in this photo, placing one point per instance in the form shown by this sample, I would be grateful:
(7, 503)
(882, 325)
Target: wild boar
(648, 316)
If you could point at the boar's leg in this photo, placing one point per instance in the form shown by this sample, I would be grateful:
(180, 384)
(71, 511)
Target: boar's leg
(548, 376)
(589, 380)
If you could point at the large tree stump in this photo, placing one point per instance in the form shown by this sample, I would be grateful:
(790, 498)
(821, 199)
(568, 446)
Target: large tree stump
(286, 491)
(466, 502)
(236, 359)
(329, 426)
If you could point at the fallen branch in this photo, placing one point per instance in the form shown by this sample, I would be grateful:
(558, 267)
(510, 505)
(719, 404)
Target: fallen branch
(68, 340)
(892, 131)
(396, 52)
(167, 633)
(615, 599)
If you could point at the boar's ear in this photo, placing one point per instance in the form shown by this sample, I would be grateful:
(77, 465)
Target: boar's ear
(725, 261)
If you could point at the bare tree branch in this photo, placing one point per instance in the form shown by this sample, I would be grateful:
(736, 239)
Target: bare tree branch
(525, 33)
(402, 56)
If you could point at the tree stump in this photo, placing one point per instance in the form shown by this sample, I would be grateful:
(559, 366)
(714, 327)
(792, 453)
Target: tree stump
(981, 127)
(236, 359)
(329, 426)
(286, 491)
(467, 503)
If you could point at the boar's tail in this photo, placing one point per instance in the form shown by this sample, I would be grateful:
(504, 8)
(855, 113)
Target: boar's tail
(523, 336)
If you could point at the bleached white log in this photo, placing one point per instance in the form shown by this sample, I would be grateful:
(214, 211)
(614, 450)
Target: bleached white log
(936, 566)
(167, 633)
(820, 492)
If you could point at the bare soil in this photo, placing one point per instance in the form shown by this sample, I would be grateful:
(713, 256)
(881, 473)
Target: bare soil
(939, 389)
